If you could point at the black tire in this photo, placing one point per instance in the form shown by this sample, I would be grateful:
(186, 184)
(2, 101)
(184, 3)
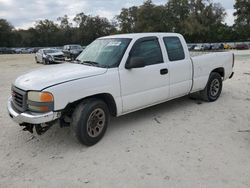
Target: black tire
(83, 124)
(213, 89)
(36, 60)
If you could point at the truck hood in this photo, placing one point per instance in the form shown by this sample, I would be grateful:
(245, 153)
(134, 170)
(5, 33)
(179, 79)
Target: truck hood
(55, 74)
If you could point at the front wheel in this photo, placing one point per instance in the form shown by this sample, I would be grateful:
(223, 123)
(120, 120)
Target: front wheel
(90, 120)
(213, 89)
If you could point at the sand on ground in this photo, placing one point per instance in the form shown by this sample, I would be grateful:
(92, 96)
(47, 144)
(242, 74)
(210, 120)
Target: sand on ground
(181, 143)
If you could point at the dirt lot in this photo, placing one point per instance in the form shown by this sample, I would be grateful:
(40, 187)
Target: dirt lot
(181, 143)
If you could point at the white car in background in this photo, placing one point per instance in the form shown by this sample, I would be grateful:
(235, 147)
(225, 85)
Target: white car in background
(199, 47)
(49, 56)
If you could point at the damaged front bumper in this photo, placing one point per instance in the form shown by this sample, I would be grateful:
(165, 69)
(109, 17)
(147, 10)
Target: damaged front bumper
(31, 117)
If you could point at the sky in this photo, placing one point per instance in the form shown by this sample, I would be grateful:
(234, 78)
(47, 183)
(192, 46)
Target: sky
(24, 13)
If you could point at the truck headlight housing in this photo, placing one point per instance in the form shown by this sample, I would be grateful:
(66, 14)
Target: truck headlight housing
(40, 101)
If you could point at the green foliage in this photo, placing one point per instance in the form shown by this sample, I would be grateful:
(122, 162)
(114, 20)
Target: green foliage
(242, 22)
(197, 20)
(5, 33)
(91, 27)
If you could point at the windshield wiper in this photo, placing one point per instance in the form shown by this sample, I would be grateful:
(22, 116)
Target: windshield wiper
(92, 63)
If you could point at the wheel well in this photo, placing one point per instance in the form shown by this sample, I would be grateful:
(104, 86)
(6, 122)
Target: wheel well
(220, 71)
(107, 98)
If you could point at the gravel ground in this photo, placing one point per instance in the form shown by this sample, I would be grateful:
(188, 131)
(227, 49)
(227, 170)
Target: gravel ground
(181, 143)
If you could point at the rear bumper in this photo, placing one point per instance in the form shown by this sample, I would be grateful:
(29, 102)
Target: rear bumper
(231, 76)
(30, 117)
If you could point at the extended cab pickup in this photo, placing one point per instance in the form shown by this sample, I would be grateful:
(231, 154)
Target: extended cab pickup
(113, 76)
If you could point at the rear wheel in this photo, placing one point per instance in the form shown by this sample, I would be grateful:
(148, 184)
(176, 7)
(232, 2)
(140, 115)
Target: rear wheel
(213, 89)
(90, 120)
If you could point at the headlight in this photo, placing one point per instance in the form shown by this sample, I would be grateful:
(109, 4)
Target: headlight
(50, 58)
(40, 101)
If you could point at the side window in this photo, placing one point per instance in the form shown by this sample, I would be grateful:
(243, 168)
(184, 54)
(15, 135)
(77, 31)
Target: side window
(149, 50)
(174, 48)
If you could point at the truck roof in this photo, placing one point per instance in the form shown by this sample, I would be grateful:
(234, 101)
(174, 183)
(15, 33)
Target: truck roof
(140, 35)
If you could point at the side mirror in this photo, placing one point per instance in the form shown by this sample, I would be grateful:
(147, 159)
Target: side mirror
(135, 62)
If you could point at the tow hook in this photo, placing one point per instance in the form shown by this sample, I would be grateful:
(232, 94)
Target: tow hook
(39, 128)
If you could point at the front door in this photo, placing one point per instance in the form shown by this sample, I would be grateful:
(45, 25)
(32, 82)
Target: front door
(142, 87)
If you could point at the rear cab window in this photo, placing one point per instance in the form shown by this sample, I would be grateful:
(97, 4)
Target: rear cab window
(174, 48)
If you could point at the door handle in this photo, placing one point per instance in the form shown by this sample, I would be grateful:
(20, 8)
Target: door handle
(164, 71)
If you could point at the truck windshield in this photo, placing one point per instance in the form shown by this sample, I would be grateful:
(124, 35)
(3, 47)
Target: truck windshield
(104, 52)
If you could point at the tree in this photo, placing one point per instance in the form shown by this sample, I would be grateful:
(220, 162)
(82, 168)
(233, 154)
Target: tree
(92, 27)
(198, 20)
(127, 19)
(242, 22)
(150, 18)
(178, 12)
(47, 31)
(204, 22)
(5, 33)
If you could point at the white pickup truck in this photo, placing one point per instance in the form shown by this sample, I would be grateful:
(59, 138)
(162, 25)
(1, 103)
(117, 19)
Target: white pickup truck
(113, 76)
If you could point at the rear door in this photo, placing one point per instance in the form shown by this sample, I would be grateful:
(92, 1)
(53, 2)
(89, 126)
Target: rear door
(180, 66)
(141, 87)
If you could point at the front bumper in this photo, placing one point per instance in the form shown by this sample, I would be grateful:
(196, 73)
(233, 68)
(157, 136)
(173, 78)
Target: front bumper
(30, 117)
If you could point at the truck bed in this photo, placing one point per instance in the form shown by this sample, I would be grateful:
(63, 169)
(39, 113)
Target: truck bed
(203, 64)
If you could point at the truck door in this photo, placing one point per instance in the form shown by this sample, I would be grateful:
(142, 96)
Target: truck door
(145, 86)
(180, 66)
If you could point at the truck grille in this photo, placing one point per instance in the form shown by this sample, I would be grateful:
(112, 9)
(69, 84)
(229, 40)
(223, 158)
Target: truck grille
(19, 99)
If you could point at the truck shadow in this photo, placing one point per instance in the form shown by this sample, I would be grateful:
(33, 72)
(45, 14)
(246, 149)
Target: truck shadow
(64, 140)
(150, 114)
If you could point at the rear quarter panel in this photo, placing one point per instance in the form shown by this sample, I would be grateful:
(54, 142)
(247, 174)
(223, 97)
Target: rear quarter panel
(205, 64)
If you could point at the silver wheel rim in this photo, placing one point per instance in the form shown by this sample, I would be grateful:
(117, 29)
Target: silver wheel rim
(215, 87)
(96, 122)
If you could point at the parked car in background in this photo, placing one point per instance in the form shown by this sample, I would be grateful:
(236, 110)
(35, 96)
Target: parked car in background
(5, 50)
(207, 46)
(227, 47)
(191, 47)
(199, 47)
(18, 50)
(49, 56)
(72, 51)
(242, 47)
(25, 51)
(58, 48)
(127, 73)
(217, 47)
